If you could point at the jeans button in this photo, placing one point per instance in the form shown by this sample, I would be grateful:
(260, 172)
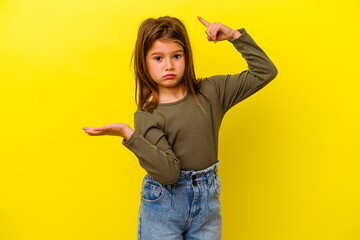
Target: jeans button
(194, 182)
(193, 177)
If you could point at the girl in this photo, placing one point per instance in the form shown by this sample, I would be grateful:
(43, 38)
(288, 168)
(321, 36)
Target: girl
(177, 124)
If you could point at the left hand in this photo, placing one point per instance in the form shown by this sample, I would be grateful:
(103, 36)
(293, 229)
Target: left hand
(219, 32)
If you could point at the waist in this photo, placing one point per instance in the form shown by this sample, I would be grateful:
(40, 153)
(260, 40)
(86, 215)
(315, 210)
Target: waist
(198, 173)
(200, 176)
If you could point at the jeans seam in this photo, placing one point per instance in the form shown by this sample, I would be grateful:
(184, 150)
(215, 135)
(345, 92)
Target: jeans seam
(172, 192)
(139, 230)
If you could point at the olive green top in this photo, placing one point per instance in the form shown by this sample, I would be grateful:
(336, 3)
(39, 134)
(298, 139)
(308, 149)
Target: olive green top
(178, 136)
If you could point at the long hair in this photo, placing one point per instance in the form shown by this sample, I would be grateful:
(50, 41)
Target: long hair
(169, 29)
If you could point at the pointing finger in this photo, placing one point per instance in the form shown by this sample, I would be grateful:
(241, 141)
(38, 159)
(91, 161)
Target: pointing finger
(205, 23)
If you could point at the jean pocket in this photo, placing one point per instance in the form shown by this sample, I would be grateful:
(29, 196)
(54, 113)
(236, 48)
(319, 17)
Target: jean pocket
(152, 191)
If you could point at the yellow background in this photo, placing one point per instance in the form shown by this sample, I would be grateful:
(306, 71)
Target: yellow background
(289, 154)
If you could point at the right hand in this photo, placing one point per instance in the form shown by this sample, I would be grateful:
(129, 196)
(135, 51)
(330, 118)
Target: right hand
(114, 129)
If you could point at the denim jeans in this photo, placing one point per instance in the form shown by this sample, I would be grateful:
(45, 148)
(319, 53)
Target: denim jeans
(187, 209)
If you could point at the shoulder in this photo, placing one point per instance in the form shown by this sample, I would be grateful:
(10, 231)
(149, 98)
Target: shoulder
(144, 115)
(146, 118)
(210, 85)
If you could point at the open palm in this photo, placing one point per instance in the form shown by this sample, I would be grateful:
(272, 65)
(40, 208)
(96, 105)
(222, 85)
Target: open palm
(114, 129)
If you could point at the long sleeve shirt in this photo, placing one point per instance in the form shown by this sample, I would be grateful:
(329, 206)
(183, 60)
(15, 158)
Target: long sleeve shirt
(178, 136)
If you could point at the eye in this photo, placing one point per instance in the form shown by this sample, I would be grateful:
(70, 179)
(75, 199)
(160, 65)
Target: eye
(177, 56)
(157, 58)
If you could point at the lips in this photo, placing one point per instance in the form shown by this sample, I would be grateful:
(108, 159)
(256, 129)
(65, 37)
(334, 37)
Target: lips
(168, 76)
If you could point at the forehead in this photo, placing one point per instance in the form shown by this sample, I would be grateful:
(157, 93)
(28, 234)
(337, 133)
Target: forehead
(162, 46)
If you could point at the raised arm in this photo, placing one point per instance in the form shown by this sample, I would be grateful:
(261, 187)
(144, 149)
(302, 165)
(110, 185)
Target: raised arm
(231, 89)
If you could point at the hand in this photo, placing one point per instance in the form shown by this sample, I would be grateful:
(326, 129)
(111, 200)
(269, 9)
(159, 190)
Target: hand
(114, 129)
(219, 32)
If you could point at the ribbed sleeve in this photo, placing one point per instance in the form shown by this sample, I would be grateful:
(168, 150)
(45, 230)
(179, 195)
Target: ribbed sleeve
(149, 144)
(231, 89)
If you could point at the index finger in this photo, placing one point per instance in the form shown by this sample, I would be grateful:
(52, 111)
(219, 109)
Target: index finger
(206, 24)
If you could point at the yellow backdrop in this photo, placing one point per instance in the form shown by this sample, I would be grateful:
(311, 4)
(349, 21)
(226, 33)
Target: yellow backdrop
(65, 65)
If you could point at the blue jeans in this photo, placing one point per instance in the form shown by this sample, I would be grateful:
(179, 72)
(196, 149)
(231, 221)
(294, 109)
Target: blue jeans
(187, 209)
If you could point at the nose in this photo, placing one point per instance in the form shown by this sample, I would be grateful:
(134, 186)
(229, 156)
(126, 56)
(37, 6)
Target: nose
(169, 65)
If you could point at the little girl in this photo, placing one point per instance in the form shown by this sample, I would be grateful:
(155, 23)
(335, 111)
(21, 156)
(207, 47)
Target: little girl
(177, 125)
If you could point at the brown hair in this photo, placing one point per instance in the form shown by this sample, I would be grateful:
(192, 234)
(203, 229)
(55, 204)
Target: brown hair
(169, 29)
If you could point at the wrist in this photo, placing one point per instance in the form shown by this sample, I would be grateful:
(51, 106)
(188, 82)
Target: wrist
(235, 35)
(127, 132)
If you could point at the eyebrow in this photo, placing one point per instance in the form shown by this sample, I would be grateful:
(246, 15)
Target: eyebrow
(155, 53)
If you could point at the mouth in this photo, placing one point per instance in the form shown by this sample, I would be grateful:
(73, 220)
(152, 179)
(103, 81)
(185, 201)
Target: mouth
(169, 76)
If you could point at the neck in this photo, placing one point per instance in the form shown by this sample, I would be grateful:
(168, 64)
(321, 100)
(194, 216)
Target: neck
(172, 94)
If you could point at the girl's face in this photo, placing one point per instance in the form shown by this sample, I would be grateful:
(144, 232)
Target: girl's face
(166, 63)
